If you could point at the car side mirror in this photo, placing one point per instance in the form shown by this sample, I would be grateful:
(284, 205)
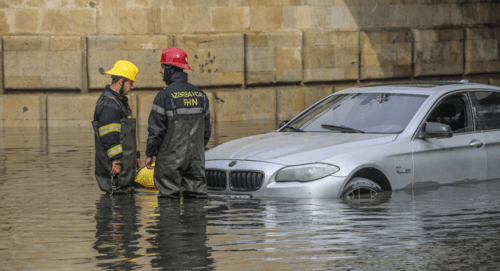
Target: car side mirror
(283, 123)
(435, 130)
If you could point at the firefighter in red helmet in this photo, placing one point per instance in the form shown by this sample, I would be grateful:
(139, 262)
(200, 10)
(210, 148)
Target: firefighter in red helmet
(179, 129)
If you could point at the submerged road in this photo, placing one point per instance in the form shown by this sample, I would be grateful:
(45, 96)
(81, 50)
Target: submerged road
(53, 217)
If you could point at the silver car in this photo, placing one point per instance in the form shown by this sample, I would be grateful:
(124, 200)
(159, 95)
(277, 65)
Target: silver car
(365, 140)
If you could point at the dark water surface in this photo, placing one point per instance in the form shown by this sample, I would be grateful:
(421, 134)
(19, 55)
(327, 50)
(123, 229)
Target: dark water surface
(53, 217)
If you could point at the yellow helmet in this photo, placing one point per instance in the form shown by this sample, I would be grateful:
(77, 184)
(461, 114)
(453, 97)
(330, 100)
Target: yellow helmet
(125, 69)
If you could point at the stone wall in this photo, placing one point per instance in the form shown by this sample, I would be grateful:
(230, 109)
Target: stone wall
(256, 59)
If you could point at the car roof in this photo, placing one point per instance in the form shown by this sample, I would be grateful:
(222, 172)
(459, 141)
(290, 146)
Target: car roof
(419, 87)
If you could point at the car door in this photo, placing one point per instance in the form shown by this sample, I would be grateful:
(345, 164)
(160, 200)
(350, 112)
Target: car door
(486, 109)
(447, 160)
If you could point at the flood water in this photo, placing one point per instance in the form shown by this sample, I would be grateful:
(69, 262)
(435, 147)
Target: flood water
(54, 217)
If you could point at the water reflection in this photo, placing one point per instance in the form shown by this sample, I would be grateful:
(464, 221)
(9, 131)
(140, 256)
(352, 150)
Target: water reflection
(117, 232)
(179, 237)
(54, 217)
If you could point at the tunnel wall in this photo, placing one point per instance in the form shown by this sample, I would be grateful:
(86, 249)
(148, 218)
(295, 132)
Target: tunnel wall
(256, 59)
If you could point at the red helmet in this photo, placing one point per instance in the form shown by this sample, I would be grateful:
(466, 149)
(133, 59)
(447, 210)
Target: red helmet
(175, 56)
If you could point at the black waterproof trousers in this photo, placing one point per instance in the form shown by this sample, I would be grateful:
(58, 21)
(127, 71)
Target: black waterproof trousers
(180, 163)
(122, 182)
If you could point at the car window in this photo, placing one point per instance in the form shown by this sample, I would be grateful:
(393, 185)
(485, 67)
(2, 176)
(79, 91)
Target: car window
(454, 111)
(361, 113)
(487, 109)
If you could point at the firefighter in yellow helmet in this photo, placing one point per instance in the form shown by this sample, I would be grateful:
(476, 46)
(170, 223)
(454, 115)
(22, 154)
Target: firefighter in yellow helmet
(117, 156)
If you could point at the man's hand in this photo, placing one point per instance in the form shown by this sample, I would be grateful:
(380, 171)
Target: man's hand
(117, 167)
(138, 162)
(149, 161)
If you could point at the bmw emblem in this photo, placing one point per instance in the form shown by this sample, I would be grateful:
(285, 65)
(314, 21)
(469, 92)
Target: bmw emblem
(232, 163)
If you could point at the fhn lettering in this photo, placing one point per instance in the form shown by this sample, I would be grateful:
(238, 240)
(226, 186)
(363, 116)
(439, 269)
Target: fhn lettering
(190, 102)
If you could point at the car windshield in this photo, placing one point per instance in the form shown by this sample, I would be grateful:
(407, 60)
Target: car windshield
(359, 113)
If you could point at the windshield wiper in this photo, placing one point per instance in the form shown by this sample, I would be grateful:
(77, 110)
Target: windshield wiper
(293, 128)
(341, 128)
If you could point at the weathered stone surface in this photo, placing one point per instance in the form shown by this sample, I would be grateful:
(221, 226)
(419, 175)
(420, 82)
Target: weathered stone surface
(23, 110)
(25, 43)
(491, 81)
(197, 20)
(5, 27)
(43, 62)
(1, 73)
(229, 19)
(331, 56)
(293, 100)
(314, 17)
(386, 54)
(142, 50)
(26, 21)
(273, 57)
(438, 52)
(68, 21)
(71, 110)
(216, 60)
(1, 111)
(129, 21)
(245, 104)
(172, 20)
(481, 50)
(266, 18)
(480, 13)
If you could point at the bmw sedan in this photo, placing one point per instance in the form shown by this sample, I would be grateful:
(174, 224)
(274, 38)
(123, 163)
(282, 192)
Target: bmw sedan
(365, 140)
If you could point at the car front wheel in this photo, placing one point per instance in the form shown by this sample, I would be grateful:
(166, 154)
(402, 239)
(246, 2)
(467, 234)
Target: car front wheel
(361, 188)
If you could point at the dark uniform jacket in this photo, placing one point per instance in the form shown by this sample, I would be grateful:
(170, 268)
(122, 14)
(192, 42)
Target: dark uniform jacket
(108, 113)
(179, 129)
(178, 91)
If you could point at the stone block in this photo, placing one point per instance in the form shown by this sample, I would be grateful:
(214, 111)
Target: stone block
(385, 54)
(71, 110)
(266, 18)
(24, 111)
(481, 50)
(293, 100)
(216, 59)
(438, 52)
(331, 56)
(144, 103)
(172, 20)
(68, 21)
(1, 111)
(26, 21)
(44, 62)
(274, 57)
(1, 71)
(491, 81)
(314, 17)
(289, 18)
(480, 13)
(121, 20)
(142, 50)
(246, 104)
(230, 19)
(197, 20)
(5, 27)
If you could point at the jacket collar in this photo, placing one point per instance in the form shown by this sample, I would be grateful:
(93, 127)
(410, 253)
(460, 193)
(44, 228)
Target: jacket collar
(120, 97)
(179, 77)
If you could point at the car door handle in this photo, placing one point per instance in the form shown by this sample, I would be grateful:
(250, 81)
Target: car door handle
(476, 144)
(404, 170)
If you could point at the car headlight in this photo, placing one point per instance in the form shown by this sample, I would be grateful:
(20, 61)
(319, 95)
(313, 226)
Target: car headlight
(305, 173)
